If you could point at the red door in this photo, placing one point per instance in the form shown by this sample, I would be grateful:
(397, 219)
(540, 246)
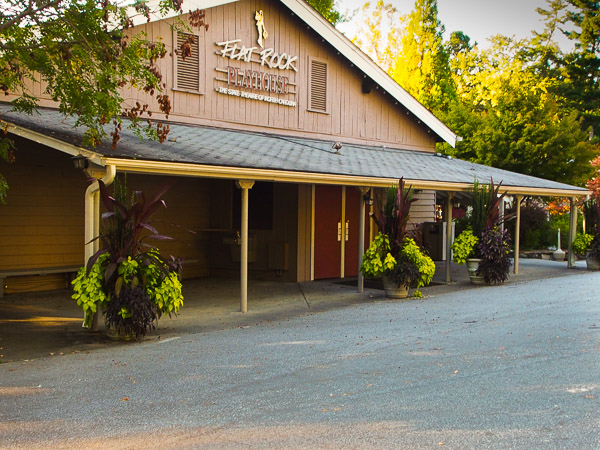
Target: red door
(330, 231)
(351, 250)
(328, 214)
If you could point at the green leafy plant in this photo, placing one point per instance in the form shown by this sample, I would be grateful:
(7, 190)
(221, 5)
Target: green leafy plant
(127, 276)
(392, 253)
(582, 242)
(88, 289)
(464, 246)
(377, 259)
(424, 264)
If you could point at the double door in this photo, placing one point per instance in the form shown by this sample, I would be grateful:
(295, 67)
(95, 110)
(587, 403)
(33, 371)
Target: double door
(336, 231)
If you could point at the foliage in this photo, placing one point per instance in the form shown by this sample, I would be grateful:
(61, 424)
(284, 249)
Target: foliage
(378, 33)
(129, 277)
(378, 260)
(393, 217)
(88, 289)
(84, 53)
(327, 9)
(582, 243)
(494, 248)
(6, 154)
(535, 227)
(594, 248)
(423, 263)
(422, 67)
(464, 246)
(405, 272)
(593, 184)
(591, 214)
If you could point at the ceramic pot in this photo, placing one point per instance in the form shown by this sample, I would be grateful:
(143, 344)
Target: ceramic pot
(592, 262)
(392, 290)
(472, 266)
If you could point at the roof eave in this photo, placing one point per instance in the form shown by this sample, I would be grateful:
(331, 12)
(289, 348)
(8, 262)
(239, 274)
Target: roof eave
(299, 177)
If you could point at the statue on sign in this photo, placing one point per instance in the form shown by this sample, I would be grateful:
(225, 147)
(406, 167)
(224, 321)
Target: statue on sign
(260, 26)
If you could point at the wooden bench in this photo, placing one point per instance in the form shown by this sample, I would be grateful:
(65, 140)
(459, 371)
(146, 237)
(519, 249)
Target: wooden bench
(25, 272)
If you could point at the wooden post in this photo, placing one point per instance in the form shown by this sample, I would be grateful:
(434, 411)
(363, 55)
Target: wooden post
(245, 186)
(361, 236)
(449, 236)
(572, 232)
(517, 233)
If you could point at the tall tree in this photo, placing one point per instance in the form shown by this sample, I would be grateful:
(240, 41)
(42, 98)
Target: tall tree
(379, 33)
(84, 53)
(579, 77)
(422, 68)
(509, 119)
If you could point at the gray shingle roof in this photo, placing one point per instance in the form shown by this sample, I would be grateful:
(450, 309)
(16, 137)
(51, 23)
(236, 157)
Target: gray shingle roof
(234, 148)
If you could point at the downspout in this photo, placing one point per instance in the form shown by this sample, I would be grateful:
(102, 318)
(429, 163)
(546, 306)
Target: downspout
(92, 219)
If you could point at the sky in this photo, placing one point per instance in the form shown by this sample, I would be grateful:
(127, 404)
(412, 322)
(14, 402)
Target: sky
(478, 19)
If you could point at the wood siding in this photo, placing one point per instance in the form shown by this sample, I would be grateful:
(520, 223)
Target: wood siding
(352, 116)
(42, 223)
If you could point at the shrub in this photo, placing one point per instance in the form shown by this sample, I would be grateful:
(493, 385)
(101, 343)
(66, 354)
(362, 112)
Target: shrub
(494, 248)
(464, 246)
(582, 243)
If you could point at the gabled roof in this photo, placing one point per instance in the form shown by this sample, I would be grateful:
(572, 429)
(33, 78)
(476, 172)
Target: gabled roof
(221, 153)
(350, 51)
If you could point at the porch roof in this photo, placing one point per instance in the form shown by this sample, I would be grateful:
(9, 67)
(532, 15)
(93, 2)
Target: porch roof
(224, 153)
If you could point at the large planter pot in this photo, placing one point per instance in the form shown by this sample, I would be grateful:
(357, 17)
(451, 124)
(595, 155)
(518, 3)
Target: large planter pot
(472, 266)
(392, 290)
(118, 334)
(592, 262)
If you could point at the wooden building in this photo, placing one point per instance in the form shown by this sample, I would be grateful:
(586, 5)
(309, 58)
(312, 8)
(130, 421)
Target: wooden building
(281, 129)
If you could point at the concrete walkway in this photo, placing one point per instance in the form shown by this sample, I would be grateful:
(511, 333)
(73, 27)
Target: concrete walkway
(46, 324)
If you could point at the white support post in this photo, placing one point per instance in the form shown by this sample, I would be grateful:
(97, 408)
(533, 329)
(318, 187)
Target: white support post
(361, 236)
(517, 233)
(245, 186)
(572, 232)
(449, 236)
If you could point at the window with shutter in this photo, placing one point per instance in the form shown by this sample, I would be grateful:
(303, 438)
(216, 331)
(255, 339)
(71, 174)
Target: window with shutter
(318, 86)
(188, 69)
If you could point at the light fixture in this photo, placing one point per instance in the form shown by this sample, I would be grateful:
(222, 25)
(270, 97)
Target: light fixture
(368, 200)
(80, 162)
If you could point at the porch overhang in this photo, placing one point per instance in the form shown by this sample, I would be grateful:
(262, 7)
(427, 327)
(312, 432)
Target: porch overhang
(203, 151)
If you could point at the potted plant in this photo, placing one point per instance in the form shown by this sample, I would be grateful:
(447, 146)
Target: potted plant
(129, 278)
(483, 246)
(592, 212)
(394, 256)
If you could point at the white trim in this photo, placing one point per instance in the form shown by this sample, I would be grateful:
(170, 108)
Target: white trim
(53, 143)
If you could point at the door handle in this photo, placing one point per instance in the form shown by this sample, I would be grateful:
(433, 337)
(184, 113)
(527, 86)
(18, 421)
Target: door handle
(347, 229)
(339, 231)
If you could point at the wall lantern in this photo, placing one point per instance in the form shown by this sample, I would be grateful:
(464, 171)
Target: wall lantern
(80, 162)
(368, 200)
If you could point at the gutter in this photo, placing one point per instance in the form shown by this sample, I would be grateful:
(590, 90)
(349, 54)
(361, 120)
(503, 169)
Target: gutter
(239, 173)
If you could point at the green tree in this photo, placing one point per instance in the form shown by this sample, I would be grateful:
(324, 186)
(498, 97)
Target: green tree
(579, 78)
(422, 67)
(509, 119)
(327, 8)
(84, 53)
(379, 33)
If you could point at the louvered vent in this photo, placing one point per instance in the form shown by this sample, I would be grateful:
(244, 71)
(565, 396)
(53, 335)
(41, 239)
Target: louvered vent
(318, 86)
(188, 73)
